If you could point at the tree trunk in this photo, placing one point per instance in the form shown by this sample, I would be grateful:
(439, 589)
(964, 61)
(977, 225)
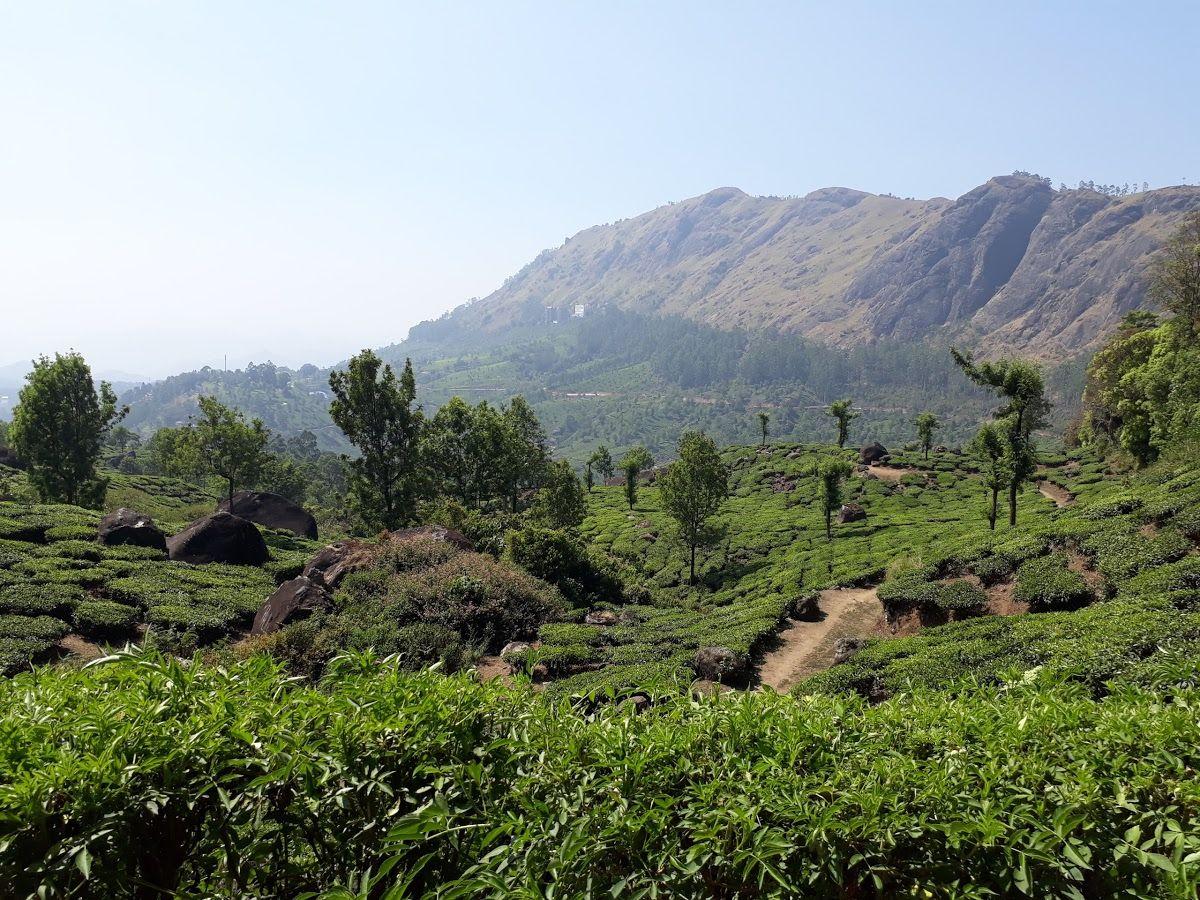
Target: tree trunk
(231, 495)
(828, 525)
(693, 568)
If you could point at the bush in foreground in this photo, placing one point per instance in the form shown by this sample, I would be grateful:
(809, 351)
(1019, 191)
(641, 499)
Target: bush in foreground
(243, 784)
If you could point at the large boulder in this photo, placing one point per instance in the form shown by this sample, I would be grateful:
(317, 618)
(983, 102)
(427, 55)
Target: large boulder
(721, 664)
(133, 528)
(292, 601)
(845, 648)
(851, 512)
(872, 453)
(272, 511)
(219, 538)
(333, 563)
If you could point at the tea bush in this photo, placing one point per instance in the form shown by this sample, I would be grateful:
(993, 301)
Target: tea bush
(245, 784)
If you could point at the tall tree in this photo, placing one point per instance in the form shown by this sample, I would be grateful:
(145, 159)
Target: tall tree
(1019, 384)
(450, 446)
(375, 411)
(601, 460)
(990, 448)
(842, 411)
(692, 489)
(58, 428)
(1175, 275)
(631, 483)
(927, 423)
(525, 449)
(560, 500)
(764, 421)
(830, 474)
(589, 479)
(228, 446)
(632, 464)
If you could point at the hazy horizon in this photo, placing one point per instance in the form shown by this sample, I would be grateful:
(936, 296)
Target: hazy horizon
(188, 182)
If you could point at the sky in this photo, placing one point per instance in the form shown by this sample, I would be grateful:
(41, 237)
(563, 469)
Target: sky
(188, 181)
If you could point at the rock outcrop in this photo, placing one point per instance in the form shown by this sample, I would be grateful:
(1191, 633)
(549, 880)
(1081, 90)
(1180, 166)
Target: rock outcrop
(219, 538)
(272, 511)
(291, 602)
(124, 526)
(872, 453)
(721, 664)
(851, 512)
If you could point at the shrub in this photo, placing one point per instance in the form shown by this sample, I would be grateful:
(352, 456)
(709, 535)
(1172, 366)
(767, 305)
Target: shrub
(30, 599)
(105, 620)
(1047, 584)
(443, 786)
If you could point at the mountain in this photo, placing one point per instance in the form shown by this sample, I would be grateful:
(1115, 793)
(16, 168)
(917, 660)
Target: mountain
(1012, 265)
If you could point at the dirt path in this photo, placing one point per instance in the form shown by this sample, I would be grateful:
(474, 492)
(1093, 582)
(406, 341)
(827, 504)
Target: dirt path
(83, 649)
(1060, 495)
(890, 474)
(807, 647)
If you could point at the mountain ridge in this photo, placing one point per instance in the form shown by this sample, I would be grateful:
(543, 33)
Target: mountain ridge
(1012, 265)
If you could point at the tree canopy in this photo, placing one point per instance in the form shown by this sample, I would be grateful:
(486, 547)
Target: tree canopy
(692, 489)
(58, 428)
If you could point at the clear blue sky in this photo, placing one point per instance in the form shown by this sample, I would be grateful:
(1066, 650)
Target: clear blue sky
(297, 180)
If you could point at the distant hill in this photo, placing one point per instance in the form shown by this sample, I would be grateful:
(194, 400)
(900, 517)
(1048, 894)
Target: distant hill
(700, 312)
(288, 401)
(1012, 265)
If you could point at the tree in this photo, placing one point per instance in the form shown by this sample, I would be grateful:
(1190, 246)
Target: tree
(560, 501)
(764, 419)
(525, 458)
(927, 423)
(227, 445)
(632, 464)
(601, 460)
(1175, 275)
(450, 446)
(631, 480)
(375, 411)
(1019, 384)
(692, 489)
(990, 447)
(841, 410)
(589, 480)
(58, 428)
(830, 473)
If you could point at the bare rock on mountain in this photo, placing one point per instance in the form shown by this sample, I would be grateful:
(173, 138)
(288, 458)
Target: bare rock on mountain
(955, 264)
(124, 526)
(1005, 266)
(272, 511)
(219, 538)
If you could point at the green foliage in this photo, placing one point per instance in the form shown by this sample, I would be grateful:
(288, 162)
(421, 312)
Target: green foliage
(692, 489)
(564, 561)
(829, 474)
(926, 424)
(375, 411)
(1025, 791)
(104, 619)
(560, 500)
(58, 428)
(602, 462)
(843, 414)
(1047, 584)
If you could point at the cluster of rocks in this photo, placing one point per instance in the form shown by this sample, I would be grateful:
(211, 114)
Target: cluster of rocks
(312, 590)
(851, 512)
(782, 483)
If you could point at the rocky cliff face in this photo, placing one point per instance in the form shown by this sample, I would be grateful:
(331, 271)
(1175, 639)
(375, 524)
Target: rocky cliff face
(1011, 265)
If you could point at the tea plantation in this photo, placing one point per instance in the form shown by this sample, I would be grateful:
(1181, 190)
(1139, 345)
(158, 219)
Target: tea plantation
(1050, 751)
(55, 580)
